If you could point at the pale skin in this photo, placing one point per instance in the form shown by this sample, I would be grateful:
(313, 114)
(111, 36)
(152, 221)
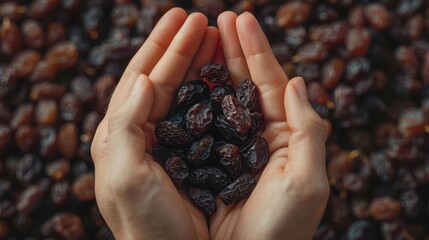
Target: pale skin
(135, 195)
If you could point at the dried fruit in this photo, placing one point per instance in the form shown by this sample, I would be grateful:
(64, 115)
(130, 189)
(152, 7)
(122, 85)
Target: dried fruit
(236, 114)
(238, 190)
(255, 153)
(177, 169)
(216, 73)
(199, 119)
(204, 199)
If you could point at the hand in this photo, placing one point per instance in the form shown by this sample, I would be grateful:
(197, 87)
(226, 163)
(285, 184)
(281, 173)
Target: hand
(134, 194)
(291, 194)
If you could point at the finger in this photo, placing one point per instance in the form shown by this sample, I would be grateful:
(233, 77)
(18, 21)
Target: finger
(149, 54)
(126, 140)
(264, 69)
(158, 41)
(169, 72)
(205, 53)
(307, 140)
(234, 56)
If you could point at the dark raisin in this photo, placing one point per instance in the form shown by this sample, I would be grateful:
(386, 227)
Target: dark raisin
(208, 177)
(216, 73)
(255, 153)
(162, 153)
(177, 169)
(169, 134)
(238, 190)
(247, 93)
(192, 91)
(218, 94)
(199, 118)
(226, 131)
(204, 199)
(236, 113)
(8, 81)
(200, 150)
(229, 157)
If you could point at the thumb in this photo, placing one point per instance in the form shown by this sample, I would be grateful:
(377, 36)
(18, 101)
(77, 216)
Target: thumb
(308, 131)
(126, 140)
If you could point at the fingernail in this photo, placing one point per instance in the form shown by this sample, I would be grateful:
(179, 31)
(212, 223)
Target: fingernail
(138, 85)
(301, 90)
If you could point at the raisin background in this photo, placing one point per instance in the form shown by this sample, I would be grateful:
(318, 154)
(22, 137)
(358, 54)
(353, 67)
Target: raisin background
(366, 64)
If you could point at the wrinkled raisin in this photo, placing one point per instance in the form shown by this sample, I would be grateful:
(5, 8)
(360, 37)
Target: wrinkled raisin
(208, 177)
(238, 190)
(255, 153)
(199, 118)
(204, 199)
(216, 73)
(236, 113)
(177, 169)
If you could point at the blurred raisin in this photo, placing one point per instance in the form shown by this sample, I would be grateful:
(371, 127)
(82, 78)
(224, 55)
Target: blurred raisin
(124, 15)
(46, 90)
(26, 138)
(28, 169)
(43, 71)
(30, 198)
(46, 112)
(8, 80)
(5, 137)
(63, 55)
(66, 225)
(59, 192)
(83, 187)
(71, 108)
(356, 16)
(42, 8)
(293, 13)
(47, 142)
(33, 34)
(23, 115)
(67, 140)
(25, 62)
(357, 41)
(311, 52)
(377, 16)
(332, 34)
(57, 170)
(385, 208)
(11, 39)
(55, 33)
(332, 72)
(81, 87)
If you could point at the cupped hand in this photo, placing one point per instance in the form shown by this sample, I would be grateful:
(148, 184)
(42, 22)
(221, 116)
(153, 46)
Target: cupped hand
(134, 194)
(290, 196)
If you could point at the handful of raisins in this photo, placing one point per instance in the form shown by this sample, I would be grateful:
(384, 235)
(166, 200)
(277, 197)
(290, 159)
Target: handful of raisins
(208, 143)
